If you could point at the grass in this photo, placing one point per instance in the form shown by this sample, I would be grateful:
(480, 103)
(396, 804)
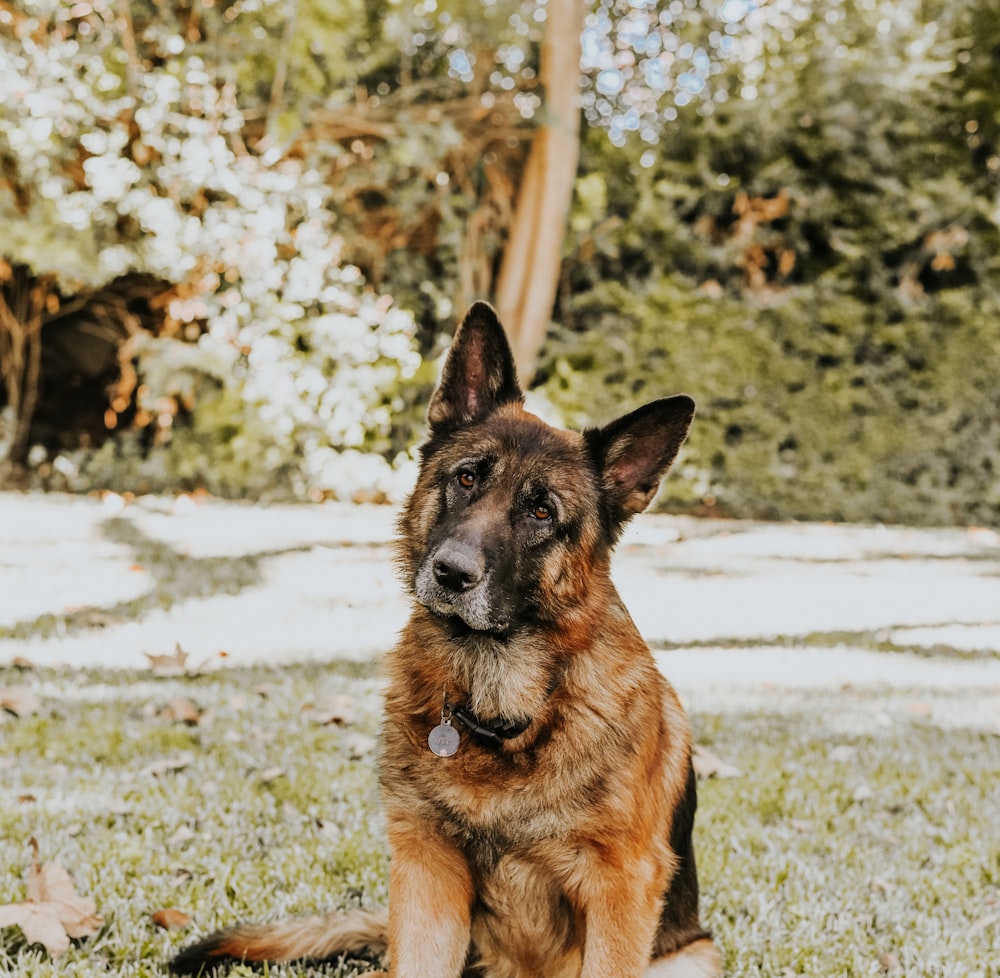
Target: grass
(877, 640)
(844, 849)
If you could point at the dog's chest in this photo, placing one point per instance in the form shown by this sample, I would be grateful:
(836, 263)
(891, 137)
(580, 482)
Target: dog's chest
(523, 923)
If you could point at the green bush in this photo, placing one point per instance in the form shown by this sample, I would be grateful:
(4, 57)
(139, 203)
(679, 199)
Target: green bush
(815, 259)
(816, 407)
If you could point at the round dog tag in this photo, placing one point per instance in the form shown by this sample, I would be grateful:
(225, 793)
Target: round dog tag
(444, 739)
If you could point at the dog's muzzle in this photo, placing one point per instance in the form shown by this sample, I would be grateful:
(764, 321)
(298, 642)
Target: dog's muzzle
(454, 581)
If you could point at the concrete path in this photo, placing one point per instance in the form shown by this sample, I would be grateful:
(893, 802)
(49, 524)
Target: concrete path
(739, 614)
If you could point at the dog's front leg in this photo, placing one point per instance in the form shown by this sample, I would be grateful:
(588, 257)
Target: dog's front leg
(430, 903)
(621, 910)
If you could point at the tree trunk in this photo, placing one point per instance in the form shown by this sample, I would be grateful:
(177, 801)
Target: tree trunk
(529, 272)
(23, 305)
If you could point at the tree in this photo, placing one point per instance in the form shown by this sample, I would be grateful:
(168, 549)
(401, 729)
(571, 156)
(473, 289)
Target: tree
(530, 270)
(815, 259)
(132, 202)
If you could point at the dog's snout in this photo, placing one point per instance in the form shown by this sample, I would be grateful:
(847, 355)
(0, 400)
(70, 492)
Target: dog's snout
(458, 567)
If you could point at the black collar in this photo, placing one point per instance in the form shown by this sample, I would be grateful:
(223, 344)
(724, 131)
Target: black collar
(492, 733)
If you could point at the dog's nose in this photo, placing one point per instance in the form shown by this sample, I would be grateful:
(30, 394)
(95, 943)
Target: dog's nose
(458, 567)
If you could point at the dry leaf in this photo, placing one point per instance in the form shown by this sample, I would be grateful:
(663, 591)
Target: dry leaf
(19, 700)
(170, 918)
(169, 665)
(158, 768)
(338, 710)
(889, 963)
(985, 921)
(330, 829)
(180, 836)
(40, 924)
(54, 912)
(180, 710)
(359, 746)
(707, 765)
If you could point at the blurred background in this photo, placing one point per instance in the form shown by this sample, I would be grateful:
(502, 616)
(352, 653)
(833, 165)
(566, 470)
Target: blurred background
(235, 238)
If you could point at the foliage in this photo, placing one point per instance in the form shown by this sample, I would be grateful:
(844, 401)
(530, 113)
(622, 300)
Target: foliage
(117, 170)
(815, 260)
(808, 191)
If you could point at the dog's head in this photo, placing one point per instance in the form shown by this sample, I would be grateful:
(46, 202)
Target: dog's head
(510, 516)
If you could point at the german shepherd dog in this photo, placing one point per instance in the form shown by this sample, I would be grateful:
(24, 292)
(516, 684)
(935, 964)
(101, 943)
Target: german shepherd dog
(535, 767)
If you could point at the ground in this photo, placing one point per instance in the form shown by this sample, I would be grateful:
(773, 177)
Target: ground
(849, 675)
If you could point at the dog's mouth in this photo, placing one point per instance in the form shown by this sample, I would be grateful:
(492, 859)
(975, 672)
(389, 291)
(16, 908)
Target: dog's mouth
(465, 622)
(469, 611)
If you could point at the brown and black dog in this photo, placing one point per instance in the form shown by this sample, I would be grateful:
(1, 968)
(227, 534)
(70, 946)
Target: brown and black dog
(535, 766)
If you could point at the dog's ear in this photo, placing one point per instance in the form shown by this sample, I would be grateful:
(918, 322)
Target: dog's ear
(479, 372)
(634, 453)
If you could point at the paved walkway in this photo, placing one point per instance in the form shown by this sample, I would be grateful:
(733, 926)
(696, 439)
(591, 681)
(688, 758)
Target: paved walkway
(739, 613)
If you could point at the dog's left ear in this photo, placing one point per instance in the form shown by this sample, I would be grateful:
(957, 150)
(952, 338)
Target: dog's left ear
(479, 372)
(634, 453)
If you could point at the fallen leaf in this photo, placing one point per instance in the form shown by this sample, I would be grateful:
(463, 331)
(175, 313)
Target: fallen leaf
(180, 710)
(707, 765)
(165, 766)
(330, 829)
(985, 921)
(169, 665)
(170, 918)
(39, 924)
(97, 617)
(889, 963)
(359, 746)
(54, 912)
(182, 835)
(19, 700)
(338, 710)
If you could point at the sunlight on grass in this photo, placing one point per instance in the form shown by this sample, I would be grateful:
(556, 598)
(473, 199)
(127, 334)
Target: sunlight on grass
(830, 855)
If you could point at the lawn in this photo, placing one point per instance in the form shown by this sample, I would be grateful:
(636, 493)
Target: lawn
(859, 838)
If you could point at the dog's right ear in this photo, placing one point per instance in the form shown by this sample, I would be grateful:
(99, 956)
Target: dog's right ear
(479, 372)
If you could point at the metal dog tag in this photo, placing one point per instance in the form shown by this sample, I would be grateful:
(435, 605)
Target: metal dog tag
(444, 739)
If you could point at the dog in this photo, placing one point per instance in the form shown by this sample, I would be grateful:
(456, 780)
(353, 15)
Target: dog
(535, 767)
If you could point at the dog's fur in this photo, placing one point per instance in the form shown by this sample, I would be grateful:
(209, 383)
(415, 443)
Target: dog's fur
(556, 841)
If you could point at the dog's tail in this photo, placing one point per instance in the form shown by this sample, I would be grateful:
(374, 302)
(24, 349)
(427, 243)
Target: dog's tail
(310, 938)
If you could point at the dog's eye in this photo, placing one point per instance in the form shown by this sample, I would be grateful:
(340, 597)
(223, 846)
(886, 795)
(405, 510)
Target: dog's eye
(541, 512)
(466, 479)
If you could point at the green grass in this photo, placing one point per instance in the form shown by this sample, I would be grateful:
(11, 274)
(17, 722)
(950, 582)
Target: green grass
(811, 863)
